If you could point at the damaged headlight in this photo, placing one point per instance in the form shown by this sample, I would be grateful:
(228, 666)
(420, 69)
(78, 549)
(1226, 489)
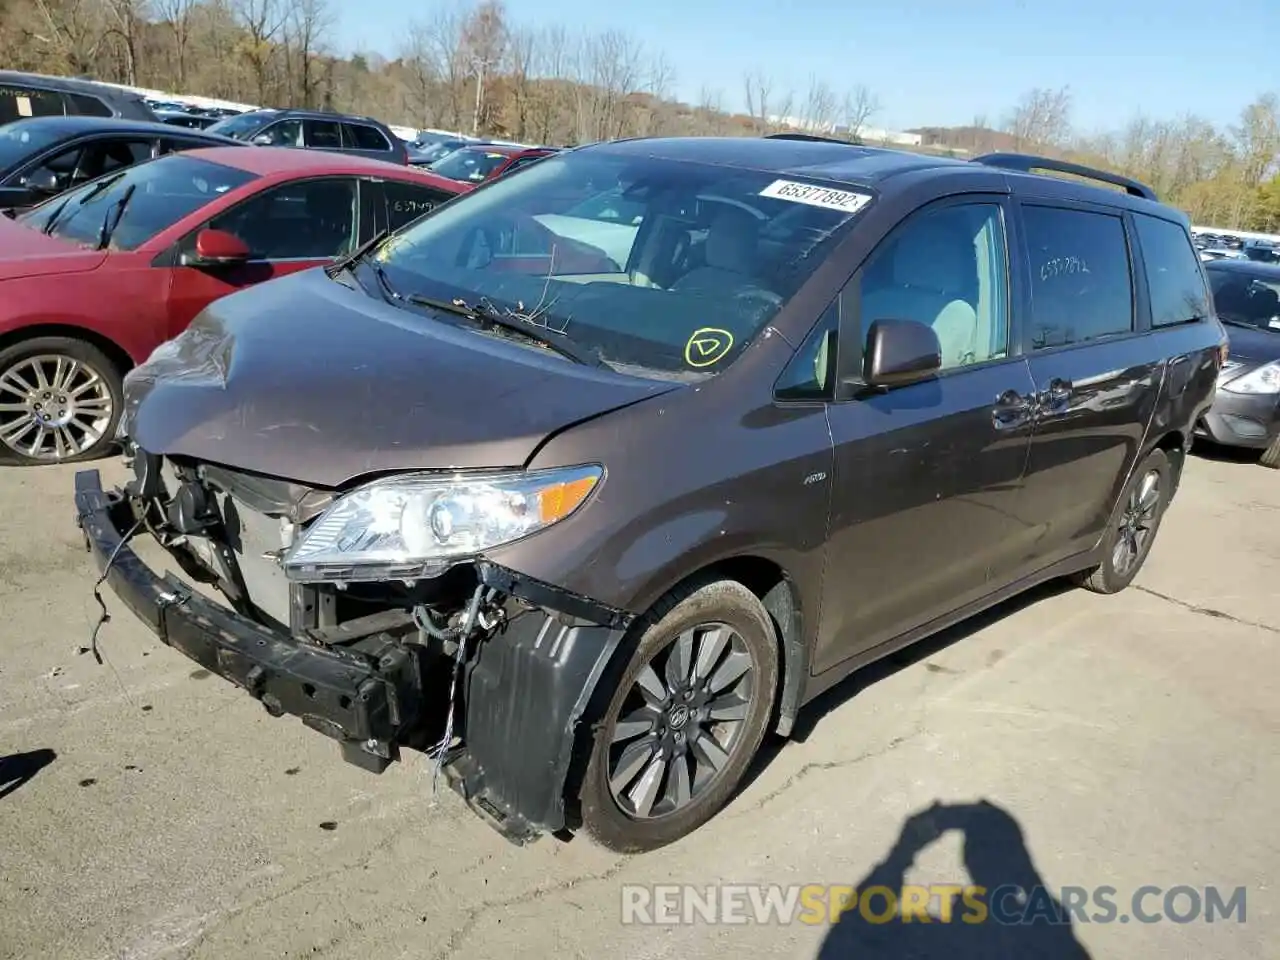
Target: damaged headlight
(417, 526)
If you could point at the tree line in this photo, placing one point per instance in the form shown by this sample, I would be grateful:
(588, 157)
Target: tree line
(467, 66)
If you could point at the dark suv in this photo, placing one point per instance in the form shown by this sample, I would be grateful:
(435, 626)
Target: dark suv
(37, 95)
(316, 130)
(588, 479)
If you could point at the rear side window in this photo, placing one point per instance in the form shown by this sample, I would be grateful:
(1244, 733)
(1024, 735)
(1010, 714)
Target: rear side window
(1081, 286)
(1177, 289)
(18, 102)
(89, 106)
(363, 137)
(406, 202)
(323, 134)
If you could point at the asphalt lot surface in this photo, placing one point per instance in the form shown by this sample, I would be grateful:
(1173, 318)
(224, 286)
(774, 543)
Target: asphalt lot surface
(1124, 741)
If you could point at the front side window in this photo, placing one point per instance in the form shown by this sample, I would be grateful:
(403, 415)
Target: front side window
(323, 134)
(284, 133)
(148, 198)
(1081, 286)
(706, 258)
(306, 220)
(469, 166)
(240, 127)
(946, 268)
(1176, 286)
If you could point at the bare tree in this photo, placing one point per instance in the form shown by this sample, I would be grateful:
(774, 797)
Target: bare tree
(1041, 118)
(821, 107)
(177, 16)
(422, 72)
(306, 28)
(125, 19)
(262, 22)
(857, 107)
(483, 41)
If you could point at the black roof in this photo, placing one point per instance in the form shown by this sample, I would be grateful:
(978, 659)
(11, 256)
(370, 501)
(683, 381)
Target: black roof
(309, 114)
(67, 84)
(74, 126)
(841, 162)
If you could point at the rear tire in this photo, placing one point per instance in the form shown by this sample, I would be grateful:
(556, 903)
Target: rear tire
(1271, 456)
(695, 700)
(1133, 526)
(60, 401)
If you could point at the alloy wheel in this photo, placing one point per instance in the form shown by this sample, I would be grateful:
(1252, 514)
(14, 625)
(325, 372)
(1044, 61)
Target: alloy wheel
(680, 721)
(1136, 524)
(53, 407)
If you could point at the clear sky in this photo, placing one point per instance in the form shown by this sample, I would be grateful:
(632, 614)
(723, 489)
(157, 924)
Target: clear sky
(930, 62)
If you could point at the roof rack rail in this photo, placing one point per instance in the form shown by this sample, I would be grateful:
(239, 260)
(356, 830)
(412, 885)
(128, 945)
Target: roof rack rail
(810, 137)
(1027, 163)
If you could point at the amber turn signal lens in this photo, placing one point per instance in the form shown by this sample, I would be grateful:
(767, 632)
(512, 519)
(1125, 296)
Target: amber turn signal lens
(557, 501)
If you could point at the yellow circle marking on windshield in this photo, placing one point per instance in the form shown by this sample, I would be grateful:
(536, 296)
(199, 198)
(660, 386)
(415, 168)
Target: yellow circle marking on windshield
(707, 345)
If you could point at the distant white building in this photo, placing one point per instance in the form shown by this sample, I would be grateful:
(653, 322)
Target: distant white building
(865, 134)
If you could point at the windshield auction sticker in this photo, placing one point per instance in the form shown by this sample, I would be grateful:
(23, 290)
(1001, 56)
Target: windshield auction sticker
(846, 201)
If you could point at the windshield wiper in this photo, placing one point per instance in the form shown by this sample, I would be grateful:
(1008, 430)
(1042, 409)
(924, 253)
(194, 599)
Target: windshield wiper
(1242, 323)
(487, 315)
(356, 255)
(92, 192)
(114, 213)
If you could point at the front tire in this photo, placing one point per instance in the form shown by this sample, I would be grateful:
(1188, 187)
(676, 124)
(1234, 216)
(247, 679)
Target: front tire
(60, 401)
(685, 719)
(1133, 526)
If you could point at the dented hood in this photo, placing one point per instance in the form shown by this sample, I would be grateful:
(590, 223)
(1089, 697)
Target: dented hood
(305, 379)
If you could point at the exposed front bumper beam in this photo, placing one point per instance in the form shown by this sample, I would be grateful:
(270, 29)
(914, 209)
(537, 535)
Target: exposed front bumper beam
(526, 688)
(364, 699)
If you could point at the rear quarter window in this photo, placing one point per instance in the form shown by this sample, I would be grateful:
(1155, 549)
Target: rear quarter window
(88, 106)
(1174, 281)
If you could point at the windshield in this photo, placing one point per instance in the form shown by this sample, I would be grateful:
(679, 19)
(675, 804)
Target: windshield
(19, 141)
(238, 127)
(667, 267)
(1246, 298)
(164, 191)
(470, 166)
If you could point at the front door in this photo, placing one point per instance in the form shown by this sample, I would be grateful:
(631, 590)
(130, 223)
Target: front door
(1097, 375)
(288, 228)
(926, 476)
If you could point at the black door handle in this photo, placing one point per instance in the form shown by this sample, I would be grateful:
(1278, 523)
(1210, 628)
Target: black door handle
(1012, 409)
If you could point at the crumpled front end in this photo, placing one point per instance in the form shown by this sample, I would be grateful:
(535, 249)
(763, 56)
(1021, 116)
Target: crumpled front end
(482, 668)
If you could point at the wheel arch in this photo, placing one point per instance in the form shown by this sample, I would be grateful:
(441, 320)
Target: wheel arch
(114, 352)
(775, 588)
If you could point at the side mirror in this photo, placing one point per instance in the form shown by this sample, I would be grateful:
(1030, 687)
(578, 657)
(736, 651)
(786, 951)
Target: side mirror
(42, 183)
(262, 140)
(217, 248)
(900, 352)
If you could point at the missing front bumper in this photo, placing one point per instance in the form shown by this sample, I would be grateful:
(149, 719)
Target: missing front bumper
(526, 688)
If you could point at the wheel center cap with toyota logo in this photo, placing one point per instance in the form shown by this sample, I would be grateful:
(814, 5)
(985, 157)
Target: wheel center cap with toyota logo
(678, 717)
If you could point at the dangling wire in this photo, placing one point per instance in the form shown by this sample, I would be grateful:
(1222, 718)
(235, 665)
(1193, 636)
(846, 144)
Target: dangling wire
(438, 752)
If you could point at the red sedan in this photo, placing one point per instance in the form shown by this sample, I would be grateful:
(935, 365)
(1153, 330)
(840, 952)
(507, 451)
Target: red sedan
(479, 163)
(93, 280)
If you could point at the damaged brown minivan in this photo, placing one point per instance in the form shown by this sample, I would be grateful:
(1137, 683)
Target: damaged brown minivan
(586, 481)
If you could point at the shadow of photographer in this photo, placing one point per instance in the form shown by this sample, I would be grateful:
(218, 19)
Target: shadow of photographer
(1015, 917)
